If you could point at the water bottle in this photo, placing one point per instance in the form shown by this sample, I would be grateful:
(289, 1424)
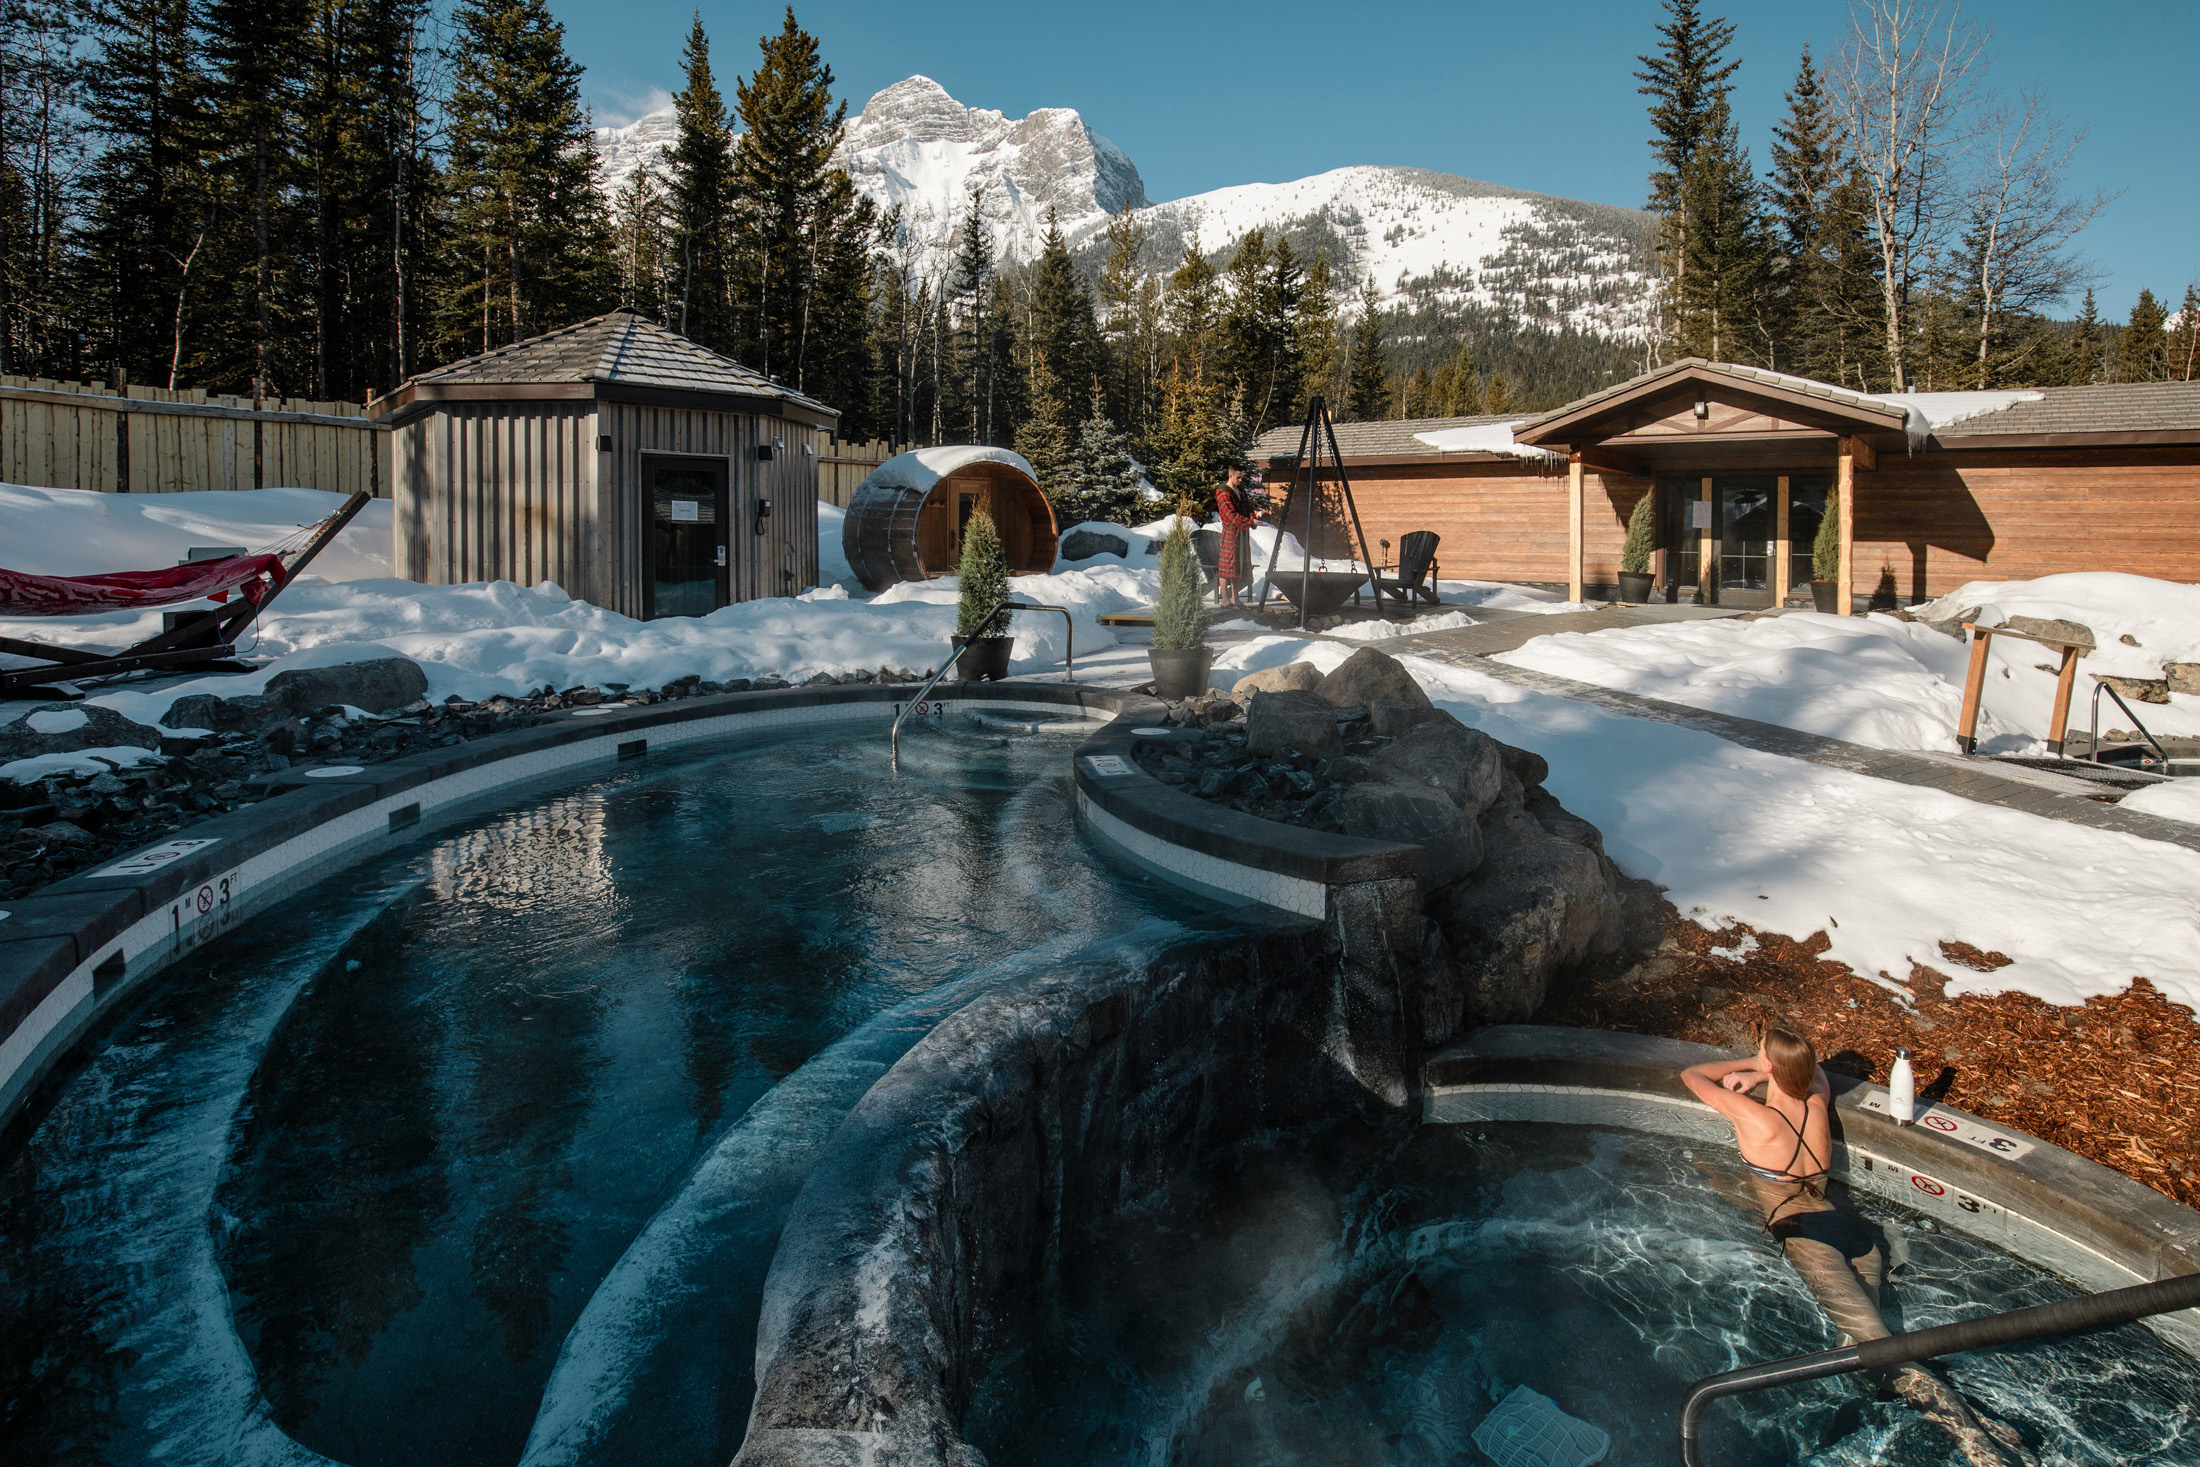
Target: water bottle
(1902, 1090)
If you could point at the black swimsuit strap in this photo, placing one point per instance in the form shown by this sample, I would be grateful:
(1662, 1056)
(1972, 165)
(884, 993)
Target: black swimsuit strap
(1802, 1147)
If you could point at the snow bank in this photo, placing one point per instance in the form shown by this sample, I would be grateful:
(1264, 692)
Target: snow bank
(2179, 799)
(1495, 438)
(1383, 631)
(1501, 596)
(921, 468)
(832, 555)
(78, 532)
(1870, 680)
(1887, 871)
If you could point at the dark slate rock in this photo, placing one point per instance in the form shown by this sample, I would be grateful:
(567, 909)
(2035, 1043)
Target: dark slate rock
(1413, 814)
(1085, 544)
(1279, 723)
(1368, 677)
(71, 726)
(1461, 763)
(377, 686)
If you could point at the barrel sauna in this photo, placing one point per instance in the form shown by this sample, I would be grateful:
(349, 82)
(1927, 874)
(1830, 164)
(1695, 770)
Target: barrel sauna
(906, 520)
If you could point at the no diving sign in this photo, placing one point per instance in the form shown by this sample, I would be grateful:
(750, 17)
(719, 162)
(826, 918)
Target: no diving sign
(1962, 1128)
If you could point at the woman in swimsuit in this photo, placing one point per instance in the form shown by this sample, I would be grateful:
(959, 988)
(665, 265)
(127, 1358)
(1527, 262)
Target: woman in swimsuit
(1786, 1141)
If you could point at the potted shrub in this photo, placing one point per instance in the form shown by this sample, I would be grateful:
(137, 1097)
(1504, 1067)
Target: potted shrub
(1825, 559)
(983, 591)
(1180, 658)
(1634, 556)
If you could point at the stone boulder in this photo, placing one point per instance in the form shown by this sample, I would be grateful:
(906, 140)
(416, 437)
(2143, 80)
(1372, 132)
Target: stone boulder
(1390, 718)
(1530, 768)
(377, 686)
(2182, 677)
(2074, 632)
(1085, 544)
(2139, 689)
(1460, 763)
(247, 714)
(1369, 677)
(1414, 814)
(1542, 900)
(1291, 723)
(1292, 677)
(63, 728)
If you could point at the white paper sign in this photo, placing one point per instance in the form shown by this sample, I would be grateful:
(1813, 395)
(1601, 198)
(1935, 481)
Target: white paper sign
(687, 511)
(152, 858)
(1699, 515)
(1963, 1128)
(1108, 766)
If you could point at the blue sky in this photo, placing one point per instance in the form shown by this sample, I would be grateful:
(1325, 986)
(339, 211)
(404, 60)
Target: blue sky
(1535, 96)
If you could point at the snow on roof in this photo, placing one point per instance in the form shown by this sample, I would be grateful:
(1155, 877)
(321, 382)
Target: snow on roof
(921, 468)
(1494, 438)
(1932, 411)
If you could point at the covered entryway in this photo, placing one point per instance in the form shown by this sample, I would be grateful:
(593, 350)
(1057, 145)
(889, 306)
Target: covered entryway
(1757, 531)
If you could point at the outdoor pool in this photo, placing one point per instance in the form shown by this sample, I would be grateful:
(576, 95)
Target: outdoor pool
(478, 1152)
(1319, 1301)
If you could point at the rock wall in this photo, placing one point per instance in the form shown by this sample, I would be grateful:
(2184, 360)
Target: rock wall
(943, 1202)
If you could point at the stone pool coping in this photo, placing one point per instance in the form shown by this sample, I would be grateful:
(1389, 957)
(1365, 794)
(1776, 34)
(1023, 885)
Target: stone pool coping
(2076, 1218)
(73, 951)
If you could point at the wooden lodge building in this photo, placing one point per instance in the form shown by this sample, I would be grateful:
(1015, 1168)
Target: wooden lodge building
(1933, 489)
(637, 469)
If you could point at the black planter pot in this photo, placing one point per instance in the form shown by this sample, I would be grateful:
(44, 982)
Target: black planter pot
(982, 659)
(1634, 587)
(1180, 674)
(1825, 597)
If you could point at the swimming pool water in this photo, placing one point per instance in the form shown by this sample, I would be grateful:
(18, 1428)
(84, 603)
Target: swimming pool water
(1323, 1302)
(478, 1153)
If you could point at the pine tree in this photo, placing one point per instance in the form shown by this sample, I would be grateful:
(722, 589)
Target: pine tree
(1417, 394)
(1316, 337)
(1686, 81)
(699, 190)
(2185, 363)
(1046, 438)
(1497, 398)
(642, 235)
(838, 365)
(41, 149)
(1128, 349)
(146, 217)
(2088, 350)
(1806, 171)
(1466, 385)
(1103, 476)
(529, 240)
(2142, 350)
(981, 580)
(1063, 331)
(1723, 277)
(1194, 307)
(782, 167)
(1642, 536)
(1259, 341)
(1367, 385)
(1180, 612)
(967, 392)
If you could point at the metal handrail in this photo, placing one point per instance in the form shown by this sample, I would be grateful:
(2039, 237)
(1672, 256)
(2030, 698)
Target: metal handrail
(1069, 658)
(893, 759)
(1069, 630)
(2093, 729)
(2064, 1316)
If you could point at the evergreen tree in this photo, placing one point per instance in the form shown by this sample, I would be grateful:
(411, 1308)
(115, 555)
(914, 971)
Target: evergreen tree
(2185, 360)
(699, 196)
(981, 580)
(783, 186)
(1417, 394)
(967, 393)
(1063, 331)
(529, 237)
(2088, 348)
(1194, 307)
(1721, 285)
(1046, 438)
(1317, 338)
(1466, 386)
(837, 364)
(1367, 384)
(2142, 350)
(1806, 171)
(1497, 398)
(642, 235)
(1102, 476)
(146, 219)
(1180, 612)
(41, 151)
(1128, 352)
(1258, 329)
(1686, 81)
(1642, 536)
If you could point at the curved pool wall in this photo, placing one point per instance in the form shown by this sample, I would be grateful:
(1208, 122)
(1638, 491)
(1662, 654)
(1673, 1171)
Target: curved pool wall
(76, 950)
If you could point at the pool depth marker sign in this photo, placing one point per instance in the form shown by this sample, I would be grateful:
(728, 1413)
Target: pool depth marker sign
(1962, 1128)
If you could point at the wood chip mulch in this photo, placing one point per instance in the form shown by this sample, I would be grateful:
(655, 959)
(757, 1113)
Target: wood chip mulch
(2116, 1080)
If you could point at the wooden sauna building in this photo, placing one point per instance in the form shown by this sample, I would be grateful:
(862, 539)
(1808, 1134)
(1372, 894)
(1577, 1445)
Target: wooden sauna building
(636, 469)
(1929, 490)
(905, 522)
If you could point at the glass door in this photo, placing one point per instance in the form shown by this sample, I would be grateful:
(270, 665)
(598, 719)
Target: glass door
(687, 536)
(1806, 511)
(1745, 531)
(1682, 532)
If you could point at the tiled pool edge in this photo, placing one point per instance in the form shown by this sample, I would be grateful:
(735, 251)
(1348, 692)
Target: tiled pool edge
(2073, 1217)
(74, 951)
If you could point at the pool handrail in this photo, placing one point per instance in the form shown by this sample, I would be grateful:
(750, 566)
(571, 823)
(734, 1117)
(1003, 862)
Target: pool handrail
(1069, 659)
(2064, 1316)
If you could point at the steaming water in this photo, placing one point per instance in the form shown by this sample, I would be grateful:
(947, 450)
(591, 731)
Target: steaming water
(481, 1152)
(1318, 1303)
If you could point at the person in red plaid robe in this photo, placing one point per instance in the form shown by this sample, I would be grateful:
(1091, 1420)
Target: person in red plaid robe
(1239, 512)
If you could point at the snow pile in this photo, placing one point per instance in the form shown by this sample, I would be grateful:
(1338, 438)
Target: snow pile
(1887, 871)
(79, 532)
(921, 468)
(2161, 619)
(2178, 799)
(1383, 631)
(1494, 438)
(93, 762)
(1502, 596)
(1870, 680)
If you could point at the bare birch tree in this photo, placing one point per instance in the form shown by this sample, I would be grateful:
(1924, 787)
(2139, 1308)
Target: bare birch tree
(1906, 90)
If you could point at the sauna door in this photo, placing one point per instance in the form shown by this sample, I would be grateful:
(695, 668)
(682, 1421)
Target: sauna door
(685, 501)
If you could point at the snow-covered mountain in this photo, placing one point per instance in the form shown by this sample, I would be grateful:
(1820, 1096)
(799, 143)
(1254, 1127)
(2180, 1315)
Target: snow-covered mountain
(1425, 237)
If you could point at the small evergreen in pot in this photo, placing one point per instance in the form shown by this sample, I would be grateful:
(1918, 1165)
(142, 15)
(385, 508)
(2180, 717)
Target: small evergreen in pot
(983, 589)
(1825, 559)
(1634, 556)
(1180, 658)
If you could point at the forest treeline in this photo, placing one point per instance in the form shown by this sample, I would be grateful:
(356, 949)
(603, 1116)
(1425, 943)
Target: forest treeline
(287, 199)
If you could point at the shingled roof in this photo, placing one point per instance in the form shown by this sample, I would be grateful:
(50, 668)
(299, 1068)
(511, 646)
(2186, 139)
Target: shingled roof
(618, 349)
(2118, 407)
(1389, 439)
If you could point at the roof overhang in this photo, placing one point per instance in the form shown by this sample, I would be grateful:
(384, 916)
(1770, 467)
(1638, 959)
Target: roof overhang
(1621, 411)
(416, 398)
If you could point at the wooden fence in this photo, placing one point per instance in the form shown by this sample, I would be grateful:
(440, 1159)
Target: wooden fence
(842, 466)
(68, 435)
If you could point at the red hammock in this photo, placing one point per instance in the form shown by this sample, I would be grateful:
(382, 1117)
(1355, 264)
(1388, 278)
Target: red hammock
(257, 576)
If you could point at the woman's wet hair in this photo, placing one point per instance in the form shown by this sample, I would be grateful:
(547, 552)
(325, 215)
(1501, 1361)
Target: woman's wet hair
(1794, 1062)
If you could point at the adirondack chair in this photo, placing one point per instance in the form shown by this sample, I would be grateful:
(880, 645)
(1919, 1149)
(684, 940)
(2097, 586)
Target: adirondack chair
(204, 640)
(1413, 577)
